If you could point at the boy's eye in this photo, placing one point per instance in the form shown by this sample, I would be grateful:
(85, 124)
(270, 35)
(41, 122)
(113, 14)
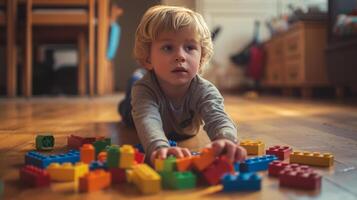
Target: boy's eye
(166, 48)
(191, 47)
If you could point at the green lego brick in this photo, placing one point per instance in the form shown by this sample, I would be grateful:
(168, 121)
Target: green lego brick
(170, 164)
(100, 145)
(183, 180)
(113, 156)
(178, 180)
(45, 142)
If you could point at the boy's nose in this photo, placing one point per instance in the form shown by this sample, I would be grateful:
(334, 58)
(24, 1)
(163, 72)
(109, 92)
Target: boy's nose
(180, 56)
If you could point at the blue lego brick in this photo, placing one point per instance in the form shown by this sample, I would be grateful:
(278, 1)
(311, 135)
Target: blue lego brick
(42, 161)
(141, 148)
(241, 182)
(236, 166)
(98, 165)
(259, 163)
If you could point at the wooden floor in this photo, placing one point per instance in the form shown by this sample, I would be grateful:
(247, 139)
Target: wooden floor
(304, 125)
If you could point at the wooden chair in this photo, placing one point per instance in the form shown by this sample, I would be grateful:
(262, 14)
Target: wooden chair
(58, 14)
(8, 22)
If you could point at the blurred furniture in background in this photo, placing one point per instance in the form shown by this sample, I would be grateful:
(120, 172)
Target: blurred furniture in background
(296, 58)
(342, 45)
(8, 14)
(60, 21)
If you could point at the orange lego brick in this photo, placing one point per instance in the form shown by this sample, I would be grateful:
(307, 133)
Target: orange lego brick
(87, 153)
(206, 158)
(312, 158)
(94, 180)
(184, 164)
(102, 156)
(253, 147)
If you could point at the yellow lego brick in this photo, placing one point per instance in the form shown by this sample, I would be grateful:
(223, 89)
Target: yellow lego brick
(253, 147)
(67, 171)
(129, 175)
(159, 165)
(146, 179)
(312, 158)
(127, 156)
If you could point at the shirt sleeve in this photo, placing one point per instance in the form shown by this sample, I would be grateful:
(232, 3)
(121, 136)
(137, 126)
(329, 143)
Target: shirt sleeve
(147, 119)
(210, 105)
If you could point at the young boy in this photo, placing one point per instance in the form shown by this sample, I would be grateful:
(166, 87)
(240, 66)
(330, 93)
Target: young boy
(172, 101)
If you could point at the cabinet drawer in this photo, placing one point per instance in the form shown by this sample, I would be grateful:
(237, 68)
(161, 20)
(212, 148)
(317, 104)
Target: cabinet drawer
(294, 42)
(294, 72)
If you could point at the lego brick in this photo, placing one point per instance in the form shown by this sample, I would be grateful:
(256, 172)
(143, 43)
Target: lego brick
(75, 142)
(101, 144)
(102, 156)
(259, 163)
(126, 159)
(241, 182)
(118, 175)
(67, 171)
(45, 142)
(312, 158)
(145, 178)
(178, 180)
(139, 157)
(94, 165)
(184, 164)
(275, 167)
(94, 180)
(214, 172)
(159, 164)
(281, 152)
(170, 164)
(206, 157)
(87, 153)
(34, 176)
(253, 147)
(42, 161)
(113, 156)
(301, 177)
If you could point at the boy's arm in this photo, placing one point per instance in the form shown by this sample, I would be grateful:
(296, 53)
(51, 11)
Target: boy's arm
(218, 125)
(147, 119)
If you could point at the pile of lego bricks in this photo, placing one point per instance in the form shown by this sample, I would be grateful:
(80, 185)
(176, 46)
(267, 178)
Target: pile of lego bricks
(96, 164)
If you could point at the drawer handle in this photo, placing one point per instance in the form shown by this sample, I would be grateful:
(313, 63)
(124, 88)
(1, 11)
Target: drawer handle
(293, 75)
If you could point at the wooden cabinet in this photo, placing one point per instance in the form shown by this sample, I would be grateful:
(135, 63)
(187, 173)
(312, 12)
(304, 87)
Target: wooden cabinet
(296, 58)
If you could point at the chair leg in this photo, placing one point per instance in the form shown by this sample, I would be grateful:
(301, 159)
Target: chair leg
(82, 64)
(11, 48)
(27, 75)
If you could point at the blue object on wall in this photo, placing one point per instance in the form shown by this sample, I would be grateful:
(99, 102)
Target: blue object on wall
(114, 38)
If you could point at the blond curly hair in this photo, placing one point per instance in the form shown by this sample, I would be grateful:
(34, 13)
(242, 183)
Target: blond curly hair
(162, 18)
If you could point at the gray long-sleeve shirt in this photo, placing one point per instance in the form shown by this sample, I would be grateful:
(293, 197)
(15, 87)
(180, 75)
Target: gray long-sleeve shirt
(155, 116)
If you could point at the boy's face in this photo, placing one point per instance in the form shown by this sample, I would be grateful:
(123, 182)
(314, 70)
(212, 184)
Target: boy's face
(175, 57)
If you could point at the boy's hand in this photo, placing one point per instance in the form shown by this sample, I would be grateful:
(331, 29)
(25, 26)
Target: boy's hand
(233, 151)
(163, 152)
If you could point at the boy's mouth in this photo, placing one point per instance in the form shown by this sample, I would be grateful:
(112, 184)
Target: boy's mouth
(179, 69)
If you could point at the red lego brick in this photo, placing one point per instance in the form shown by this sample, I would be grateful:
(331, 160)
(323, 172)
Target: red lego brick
(118, 175)
(94, 180)
(75, 142)
(215, 171)
(276, 166)
(301, 177)
(139, 157)
(282, 152)
(34, 177)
